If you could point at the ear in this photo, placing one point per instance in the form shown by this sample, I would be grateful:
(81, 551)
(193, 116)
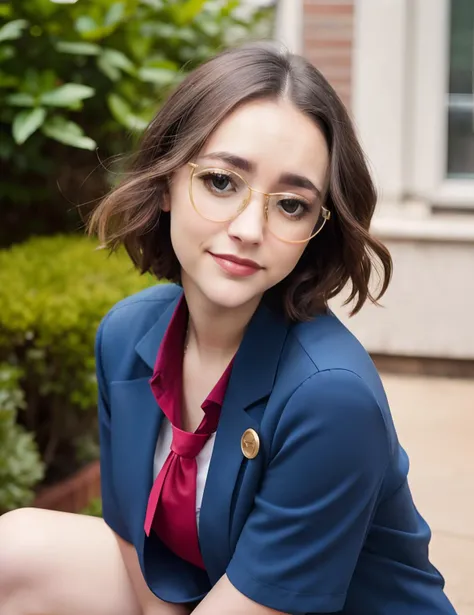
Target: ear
(166, 201)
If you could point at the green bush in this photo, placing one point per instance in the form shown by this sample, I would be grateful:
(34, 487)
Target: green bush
(20, 463)
(74, 77)
(53, 294)
(94, 508)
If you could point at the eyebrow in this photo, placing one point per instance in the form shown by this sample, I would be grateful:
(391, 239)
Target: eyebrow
(288, 179)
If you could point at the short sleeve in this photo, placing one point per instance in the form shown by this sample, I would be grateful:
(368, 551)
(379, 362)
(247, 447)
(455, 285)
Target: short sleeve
(110, 509)
(299, 547)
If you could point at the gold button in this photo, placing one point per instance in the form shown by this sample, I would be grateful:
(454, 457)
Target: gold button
(250, 443)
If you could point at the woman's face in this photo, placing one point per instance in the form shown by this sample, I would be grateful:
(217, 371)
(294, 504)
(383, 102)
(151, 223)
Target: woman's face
(277, 141)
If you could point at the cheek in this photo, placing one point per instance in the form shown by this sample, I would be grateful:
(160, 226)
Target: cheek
(188, 231)
(181, 234)
(181, 212)
(286, 257)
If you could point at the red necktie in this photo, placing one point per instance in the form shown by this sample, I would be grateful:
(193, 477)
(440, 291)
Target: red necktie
(171, 510)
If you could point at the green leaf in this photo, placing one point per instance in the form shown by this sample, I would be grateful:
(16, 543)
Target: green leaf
(67, 132)
(85, 24)
(12, 30)
(211, 28)
(26, 123)
(109, 71)
(159, 61)
(185, 12)
(112, 61)
(78, 48)
(230, 6)
(157, 5)
(123, 113)
(67, 95)
(20, 99)
(158, 29)
(160, 76)
(118, 60)
(114, 14)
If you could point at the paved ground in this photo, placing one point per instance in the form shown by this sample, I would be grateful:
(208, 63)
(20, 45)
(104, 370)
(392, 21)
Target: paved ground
(435, 422)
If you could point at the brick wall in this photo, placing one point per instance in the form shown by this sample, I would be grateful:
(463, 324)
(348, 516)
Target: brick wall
(328, 30)
(74, 493)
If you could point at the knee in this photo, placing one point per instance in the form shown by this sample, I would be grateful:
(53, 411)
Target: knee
(20, 548)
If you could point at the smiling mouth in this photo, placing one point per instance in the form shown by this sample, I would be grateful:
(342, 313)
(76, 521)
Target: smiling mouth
(239, 261)
(236, 266)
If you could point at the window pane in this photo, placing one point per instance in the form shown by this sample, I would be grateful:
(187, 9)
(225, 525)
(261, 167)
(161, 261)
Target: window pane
(461, 91)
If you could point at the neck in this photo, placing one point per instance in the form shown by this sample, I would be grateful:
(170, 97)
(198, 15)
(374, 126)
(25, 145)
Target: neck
(215, 332)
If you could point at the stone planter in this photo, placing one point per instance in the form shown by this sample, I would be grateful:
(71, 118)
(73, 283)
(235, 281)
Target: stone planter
(74, 493)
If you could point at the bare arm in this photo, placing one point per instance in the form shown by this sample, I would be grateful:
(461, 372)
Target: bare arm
(225, 598)
(150, 604)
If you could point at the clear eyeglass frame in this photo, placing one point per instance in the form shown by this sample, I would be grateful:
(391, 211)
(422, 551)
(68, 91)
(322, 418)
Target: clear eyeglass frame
(325, 213)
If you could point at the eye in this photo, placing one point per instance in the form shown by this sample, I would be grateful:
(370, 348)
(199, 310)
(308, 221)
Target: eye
(219, 183)
(294, 208)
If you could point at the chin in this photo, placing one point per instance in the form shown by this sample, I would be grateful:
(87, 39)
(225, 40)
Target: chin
(229, 294)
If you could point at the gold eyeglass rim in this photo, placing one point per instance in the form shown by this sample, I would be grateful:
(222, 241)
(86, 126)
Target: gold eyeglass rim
(326, 214)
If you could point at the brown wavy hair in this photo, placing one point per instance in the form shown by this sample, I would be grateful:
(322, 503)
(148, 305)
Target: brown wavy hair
(343, 254)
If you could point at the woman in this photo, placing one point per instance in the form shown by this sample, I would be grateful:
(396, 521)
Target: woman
(285, 490)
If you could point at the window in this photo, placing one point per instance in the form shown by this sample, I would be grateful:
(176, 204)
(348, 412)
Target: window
(460, 125)
(413, 99)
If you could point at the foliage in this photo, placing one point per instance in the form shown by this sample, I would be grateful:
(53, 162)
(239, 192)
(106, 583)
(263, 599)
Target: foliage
(20, 464)
(53, 294)
(91, 74)
(94, 508)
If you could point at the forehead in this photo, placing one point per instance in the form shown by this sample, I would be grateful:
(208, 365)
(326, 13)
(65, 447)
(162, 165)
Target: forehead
(275, 135)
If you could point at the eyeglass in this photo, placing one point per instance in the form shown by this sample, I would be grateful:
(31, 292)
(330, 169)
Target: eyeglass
(220, 195)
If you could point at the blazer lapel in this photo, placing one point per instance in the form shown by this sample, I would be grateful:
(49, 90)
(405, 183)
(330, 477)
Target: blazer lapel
(252, 379)
(147, 347)
(136, 423)
(137, 419)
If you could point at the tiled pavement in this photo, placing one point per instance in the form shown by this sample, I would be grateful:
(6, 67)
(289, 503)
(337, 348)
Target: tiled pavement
(435, 423)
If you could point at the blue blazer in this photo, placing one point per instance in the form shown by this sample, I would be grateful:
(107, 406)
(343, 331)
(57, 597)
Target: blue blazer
(322, 519)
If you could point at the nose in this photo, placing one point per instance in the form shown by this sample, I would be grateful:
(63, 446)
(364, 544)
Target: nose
(249, 225)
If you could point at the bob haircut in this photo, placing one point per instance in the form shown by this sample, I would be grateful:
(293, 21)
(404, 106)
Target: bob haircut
(344, 253)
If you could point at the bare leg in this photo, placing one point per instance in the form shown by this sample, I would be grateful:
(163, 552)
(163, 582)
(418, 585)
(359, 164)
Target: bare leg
(54, 563)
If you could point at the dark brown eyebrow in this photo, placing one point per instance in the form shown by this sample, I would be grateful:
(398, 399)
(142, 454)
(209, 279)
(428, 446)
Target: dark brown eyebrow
(288, 179)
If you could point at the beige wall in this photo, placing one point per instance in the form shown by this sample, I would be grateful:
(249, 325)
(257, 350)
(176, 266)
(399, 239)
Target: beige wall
(429, 307)
(399, 109)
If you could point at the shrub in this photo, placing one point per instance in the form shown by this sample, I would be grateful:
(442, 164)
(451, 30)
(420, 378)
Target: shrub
(94, 508)
(53, 294)
(20, 463)
(90, 74)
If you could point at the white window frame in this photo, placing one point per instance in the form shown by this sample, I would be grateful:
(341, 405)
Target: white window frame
(289, 24)
(430, 118)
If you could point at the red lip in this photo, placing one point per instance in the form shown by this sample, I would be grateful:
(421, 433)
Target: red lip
(240, 261)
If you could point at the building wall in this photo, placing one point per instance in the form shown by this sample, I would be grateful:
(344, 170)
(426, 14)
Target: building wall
(328, 38)
(379, 56)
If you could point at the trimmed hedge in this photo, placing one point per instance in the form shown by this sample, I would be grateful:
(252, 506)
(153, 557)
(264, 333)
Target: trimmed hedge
(53, 293)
